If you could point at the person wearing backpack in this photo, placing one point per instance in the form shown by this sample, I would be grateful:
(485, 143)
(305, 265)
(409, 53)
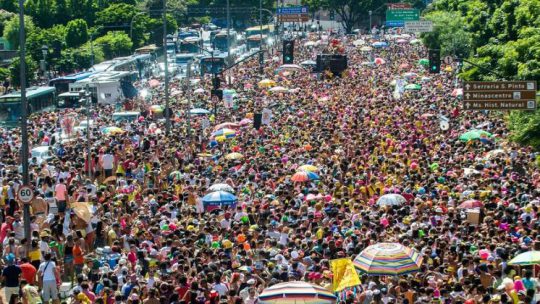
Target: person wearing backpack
(48, 274)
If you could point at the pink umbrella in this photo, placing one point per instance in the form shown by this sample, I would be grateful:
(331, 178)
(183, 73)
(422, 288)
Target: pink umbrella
(471, 204)
(401, 41)
(427, 115)
(230, 125)
(153, 83)
(404, 66)
(245, 122)
(457, 92)
(379, 61)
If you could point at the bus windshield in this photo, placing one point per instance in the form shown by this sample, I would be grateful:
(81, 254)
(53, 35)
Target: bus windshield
(68, 100)
(212, 65)
(188, 48)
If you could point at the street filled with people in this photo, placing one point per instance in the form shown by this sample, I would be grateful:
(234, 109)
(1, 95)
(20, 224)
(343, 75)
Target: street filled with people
(382, 159)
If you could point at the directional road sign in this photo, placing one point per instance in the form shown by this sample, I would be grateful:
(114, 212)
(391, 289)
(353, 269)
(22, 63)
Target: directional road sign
(25, 194)
(448, 60)
(418, 26)
(292, 10)
(500, 95)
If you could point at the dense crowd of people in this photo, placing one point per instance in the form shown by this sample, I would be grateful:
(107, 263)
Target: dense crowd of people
(130, 225)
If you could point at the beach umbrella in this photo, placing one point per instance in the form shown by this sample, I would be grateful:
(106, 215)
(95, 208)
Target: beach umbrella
(219, 198)
(82, 210)
(457, 92)
(526, 258)
(309, 63)
(278, 89)
(176, 175)
(296, 292)
(474, 134)
(366, 48)
(310, 43)
(221, 187)
(494, 153)
(157, 109)
(112, 130)
(413, 86)
(199, 91)
(379, 61)
(425, 79)
(415, 41)
(230, 125)
(245, 122)
(359, 42)
(266, 83)
(225, 132)
(198, 111)
(309, 168)
(423, 61)
(388, 259)
(234, 155)
(204, 155)
(379, 44)
(153, 83)
(304, 176)
(471, 204)
(391, 199)
(401, 41)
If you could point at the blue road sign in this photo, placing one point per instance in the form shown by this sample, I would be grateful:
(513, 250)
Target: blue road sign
(292, 10)
(395, 23)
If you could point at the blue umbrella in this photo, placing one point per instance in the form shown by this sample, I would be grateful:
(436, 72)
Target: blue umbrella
(380, 44)
(199, 112)
(219, 198)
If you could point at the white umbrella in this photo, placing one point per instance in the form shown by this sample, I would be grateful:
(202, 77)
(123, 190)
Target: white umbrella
(199, 91)
(291, 67)
(366, 48)
(359, 42)
(391, 200)
(310, 43)
(279, 89)
(221, 187)
(308, 63)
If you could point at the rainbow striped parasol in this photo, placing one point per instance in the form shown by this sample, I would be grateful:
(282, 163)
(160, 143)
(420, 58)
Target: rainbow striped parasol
(296, 292)
(388, 259)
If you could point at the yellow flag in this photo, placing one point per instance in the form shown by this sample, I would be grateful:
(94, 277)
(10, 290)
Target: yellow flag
(344, 274)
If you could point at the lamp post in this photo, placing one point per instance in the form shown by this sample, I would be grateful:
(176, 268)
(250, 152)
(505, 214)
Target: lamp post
(165, 63)
(261, 54)
(24, 120)
(45, 51)
(370, 13)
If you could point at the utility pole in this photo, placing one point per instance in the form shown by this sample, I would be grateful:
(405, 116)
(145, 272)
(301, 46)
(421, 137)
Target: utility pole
(370, 13)
(91, 49)
(228, 38)
(165, 62)
(261, 54)
(24, 120)
(88, 100)
(188, 95)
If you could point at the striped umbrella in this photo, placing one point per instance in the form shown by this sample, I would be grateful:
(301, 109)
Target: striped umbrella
(388, 259)
(526, 258)
(304, 176)
(309, 168)
(225, 132)
(296, 292)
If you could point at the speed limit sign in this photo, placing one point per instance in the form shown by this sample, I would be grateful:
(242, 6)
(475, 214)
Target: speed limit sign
(26, 194)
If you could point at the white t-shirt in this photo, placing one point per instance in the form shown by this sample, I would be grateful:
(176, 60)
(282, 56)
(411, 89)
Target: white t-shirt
(47, 270)
(108, 161)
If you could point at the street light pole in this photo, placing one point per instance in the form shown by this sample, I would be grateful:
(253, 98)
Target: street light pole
(370, 13)
(228, 38)
(261, 54)
(165, 62)
(24, 119)
(188, 95)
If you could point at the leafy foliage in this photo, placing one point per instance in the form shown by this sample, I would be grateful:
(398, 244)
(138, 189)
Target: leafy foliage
(115, 44)
(14, 69)
(76, 33)
(11, 29)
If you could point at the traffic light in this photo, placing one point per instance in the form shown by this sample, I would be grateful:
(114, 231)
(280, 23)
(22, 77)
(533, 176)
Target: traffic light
(434, 61)
(216, 82)
(288, 51)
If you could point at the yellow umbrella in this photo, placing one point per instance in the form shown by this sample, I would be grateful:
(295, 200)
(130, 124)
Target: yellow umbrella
(204, 155)
(234, 155)
(448, 69)
(82, 210)
(266, 83)
(309, 168)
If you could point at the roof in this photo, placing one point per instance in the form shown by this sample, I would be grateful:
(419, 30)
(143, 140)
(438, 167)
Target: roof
(30, 92)
(74, 77)
(68, 94)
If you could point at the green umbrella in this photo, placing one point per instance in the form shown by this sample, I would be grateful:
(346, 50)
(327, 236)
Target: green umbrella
(424, 62)
(413, 86)
(474, 134)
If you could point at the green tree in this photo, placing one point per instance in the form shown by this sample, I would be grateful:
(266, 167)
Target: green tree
(115, 44)
(41, 12)
(76, 33)
(9, 5)
(11, 29)
(82, 9)
(37, 39)
(155, 27)
(15, 68)
(121, 15)
(448, 34)
(5, 16)
(61, 12)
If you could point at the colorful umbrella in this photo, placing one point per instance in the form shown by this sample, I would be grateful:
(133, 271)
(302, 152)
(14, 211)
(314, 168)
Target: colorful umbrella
(221, 187)
(296, 292)
(266, 83)
(526, 258)
(234, 155)
(199, 112)
(176, 175)
(153, 83)
(457, 92)
(304, 176)
(245, 122)
(278, 90)
(157, 108)
(230, 125)
(379, 44)
(471, 204)
(413, 86)
(204, 155)
(388, 259)
(219, 198)
(379, 61)
(365, 49)
(290, 67)
(474, 134)
(423, 61)
(112, 130)
(391, 200)
(309, 168)
(225, 133)
(401, 41)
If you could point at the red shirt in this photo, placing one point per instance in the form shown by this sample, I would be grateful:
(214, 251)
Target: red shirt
(28, 272)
